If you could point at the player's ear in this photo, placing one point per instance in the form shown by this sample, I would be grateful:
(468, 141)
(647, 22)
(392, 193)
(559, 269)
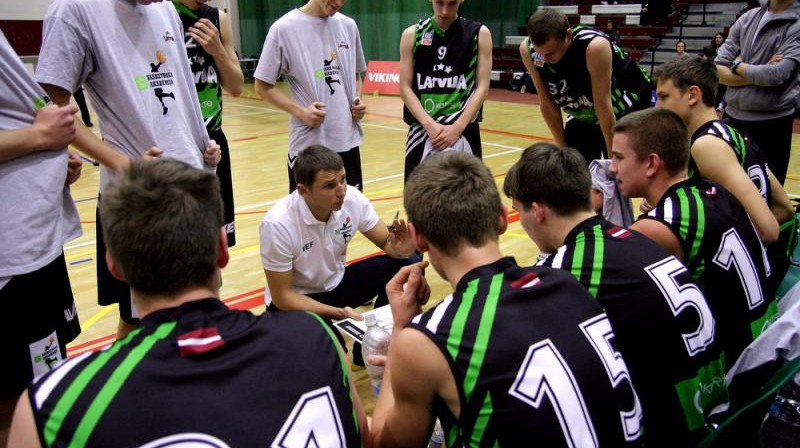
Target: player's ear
(113, 268)
(502, 220)
(418, 238)
(223, 256)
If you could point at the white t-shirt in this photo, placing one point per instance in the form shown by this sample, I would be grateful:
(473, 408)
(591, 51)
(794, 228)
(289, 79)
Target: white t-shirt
(320, 57)
(292, 239)
(36, 209)
(133, 61)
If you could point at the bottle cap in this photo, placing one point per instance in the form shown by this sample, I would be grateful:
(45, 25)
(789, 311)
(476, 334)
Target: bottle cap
(370, 319)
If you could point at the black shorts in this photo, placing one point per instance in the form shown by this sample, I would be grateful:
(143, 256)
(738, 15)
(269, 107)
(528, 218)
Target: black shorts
(226, 184)
(110, 290)
(415, 145)
(39, 318)
(352, 169)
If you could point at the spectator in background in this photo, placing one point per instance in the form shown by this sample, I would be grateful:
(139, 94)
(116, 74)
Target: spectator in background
(680, 49)
(710, 53)
(759, 63)
(612, 32)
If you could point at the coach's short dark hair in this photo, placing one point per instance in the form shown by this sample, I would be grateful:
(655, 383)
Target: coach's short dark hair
(687, 72)
(547, 23)
(312, 160)
(452, 200)
(550, 175)
(161, 222)
(657, 131)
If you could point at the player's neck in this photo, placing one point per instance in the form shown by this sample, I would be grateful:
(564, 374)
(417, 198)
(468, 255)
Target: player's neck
(700, 118)
(661, 185)
(442, 24)
(565, 224)
(191, 4)
(467, 259)
(312, 9)
(146, 303)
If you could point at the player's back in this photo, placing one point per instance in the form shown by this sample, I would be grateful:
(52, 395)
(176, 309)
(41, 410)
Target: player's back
(664, 327)
(533, 359)
(202, 373)
(724, 255)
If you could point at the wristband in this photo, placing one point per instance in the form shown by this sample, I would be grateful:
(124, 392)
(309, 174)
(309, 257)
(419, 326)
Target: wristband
(736, 65)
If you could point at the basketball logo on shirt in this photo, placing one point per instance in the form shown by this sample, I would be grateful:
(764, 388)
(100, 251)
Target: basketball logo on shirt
(157, 80)
(346, 230)
(330, 71)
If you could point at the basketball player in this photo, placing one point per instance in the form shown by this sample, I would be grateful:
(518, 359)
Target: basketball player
(665, 328)
(130, 57)
(491, 359)
(38, 215)
(719, 152)
(445, 71)
(215, 66)
(196, 373)
(698, 221)
(319, 51)
(579, 70)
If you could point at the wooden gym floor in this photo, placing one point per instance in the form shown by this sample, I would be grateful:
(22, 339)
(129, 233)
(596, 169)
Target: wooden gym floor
(258, 138)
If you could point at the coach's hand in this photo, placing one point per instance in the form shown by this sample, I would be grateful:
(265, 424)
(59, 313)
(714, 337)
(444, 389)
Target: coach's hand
(313, 116)
(347, 312)
(407, 292)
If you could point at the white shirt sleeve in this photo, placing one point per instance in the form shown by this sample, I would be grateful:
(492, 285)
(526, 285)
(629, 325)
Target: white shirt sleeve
(63, 59)
(273, 60)
(276, 247)
(368, 217)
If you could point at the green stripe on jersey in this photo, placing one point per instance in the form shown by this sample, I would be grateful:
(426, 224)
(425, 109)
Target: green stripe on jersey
(115, 382)
(460, 319)
(67, 400)
(577, 256)
(183, 9)
(343, 366)
(482, 338)
(700, 231)
(597, 262)
(482, 421)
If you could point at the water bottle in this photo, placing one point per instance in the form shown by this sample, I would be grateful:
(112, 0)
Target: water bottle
(437, 437)
(376, 342)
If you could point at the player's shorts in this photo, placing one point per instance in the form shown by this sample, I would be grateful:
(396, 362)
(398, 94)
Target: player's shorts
(39, 318)
(226, 184)
(352, 169)
(416, 139)
(111, 290)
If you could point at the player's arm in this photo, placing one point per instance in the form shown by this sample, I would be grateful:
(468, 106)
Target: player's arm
(661, 234)
(717, 162)
(287, 299)
(483, 78)
(358, 407)
(52, 128)
(728, 78)
(598, 63)
(395, 240)
(85, 140)
(780, 204)
(432, 127)
(403, 414)
(312, 115)
(23, 427)
(547, 106)
(219, 44)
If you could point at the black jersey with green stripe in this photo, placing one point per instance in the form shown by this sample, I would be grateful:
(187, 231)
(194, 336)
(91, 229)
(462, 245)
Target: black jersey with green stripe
(204, 69)
(658, 313)
(206, 374)
(724, 255)
(528, 348)
(445, 68)
(570, 84)
(747, 153)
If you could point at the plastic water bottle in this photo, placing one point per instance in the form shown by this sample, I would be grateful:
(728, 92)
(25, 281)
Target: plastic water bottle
(437, 437)
(376, 342)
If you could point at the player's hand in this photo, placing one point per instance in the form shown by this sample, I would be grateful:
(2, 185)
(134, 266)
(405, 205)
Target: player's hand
(153, 153)
(376, 360)
(212, 154)
(434, 129)
(74, 167)
(407, 292)
(207, 35)
(358, 109)
(349, 313)
(448, 137)
(54, 126)
(313, 115)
